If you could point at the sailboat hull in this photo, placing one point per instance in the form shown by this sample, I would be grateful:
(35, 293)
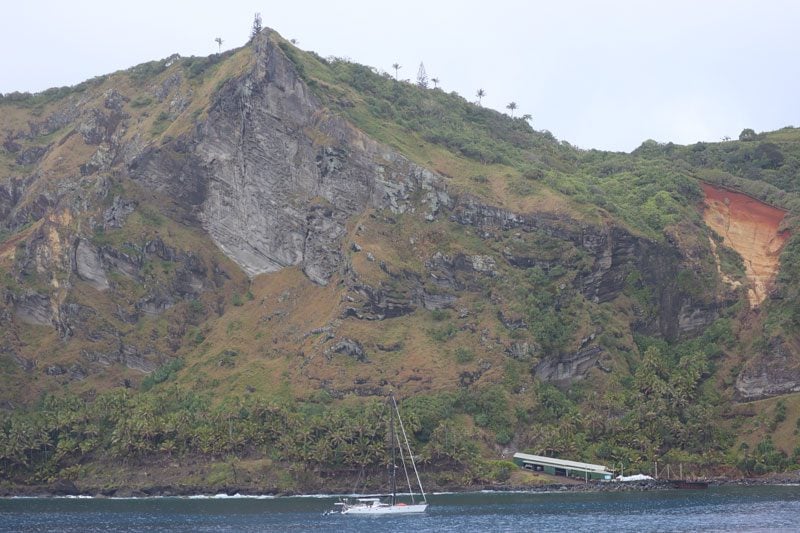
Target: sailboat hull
(385, 509)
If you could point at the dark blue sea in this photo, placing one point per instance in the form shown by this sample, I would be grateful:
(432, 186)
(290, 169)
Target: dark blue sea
(774, 508)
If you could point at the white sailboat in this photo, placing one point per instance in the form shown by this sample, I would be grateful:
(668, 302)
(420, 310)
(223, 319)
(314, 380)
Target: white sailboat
(377, 506)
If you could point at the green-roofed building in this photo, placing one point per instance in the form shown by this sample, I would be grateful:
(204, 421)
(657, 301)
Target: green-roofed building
(560, 467)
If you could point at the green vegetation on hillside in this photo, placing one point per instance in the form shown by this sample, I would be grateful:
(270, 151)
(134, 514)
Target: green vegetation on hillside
(647, 195)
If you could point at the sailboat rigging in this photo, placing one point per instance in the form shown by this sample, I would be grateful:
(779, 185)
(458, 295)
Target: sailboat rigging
(376, 506)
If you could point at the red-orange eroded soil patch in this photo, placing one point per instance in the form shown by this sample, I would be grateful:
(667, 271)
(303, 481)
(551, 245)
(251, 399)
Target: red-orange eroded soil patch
(751, 228)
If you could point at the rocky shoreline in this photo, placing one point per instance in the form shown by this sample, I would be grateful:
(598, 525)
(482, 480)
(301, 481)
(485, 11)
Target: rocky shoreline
(65, 488)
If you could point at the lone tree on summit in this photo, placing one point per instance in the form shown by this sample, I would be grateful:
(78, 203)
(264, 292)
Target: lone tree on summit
(219, 41)
(422, 76)
(748, 134)
(396, 67)
(480, 94)
(256, 26)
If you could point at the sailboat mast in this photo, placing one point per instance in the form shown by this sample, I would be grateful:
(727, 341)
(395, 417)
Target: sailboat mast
(410, 454)
(393, 466)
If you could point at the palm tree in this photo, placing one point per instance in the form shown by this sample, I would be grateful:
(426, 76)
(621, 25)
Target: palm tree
(435, 82)
(168, 447)
(527, 117)
(339, 439)
(480, 94)
(15, 447)
(396, 67)
(218, 40)
(512, 106)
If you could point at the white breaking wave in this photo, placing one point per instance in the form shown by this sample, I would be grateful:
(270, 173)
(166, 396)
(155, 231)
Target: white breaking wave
(223, 496)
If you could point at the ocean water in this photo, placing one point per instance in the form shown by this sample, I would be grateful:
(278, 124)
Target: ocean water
(774, 508)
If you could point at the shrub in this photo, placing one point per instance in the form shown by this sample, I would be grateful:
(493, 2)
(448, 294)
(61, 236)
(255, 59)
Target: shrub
(233, 325)
(196, 308)
(443, 333)
(141, 101)
(439, 314)
(428, 412)
(748, 135)
(464, 355)
(198, 337)
(161, 123)
(503, 437)
(779, 415)
(166, 372)
(501, 470)
(197, 66)
(150, 217)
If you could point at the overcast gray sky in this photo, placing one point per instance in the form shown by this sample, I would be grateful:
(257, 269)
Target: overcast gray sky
(598, 74)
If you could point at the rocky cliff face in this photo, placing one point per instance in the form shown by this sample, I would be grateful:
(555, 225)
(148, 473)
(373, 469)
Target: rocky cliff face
(614, 252)
(274, 178)
(117, 241)
(271, 176)
(775, 372)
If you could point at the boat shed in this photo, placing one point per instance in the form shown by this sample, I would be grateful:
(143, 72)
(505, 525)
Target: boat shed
(560, 467)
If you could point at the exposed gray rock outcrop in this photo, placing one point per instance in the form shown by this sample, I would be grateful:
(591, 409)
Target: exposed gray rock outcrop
(775, 372)
(166, 87)
(127, 355)
(390, 347)
(266, 190)
(74, 317)
(348, 347)
(9, 196)
(460, 271)
(55, 370)
(521, 351)
(34, 308)
(114, 216)
(190, 279)
(155, 303)
(380, 303)
(77, 372)
(89, 266)
(432, 301)
(31, 155)
(24, 363)
(693, 317)
(574, 366)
